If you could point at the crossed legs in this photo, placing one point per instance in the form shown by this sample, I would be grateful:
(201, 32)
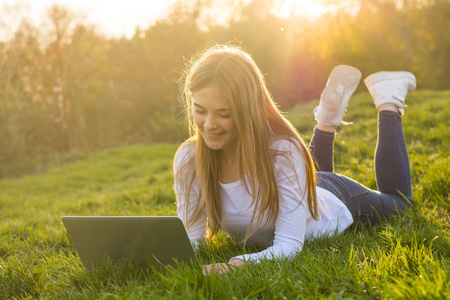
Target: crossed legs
(392, 168)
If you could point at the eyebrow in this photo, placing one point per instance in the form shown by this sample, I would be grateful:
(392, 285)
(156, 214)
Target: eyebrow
(220, 109)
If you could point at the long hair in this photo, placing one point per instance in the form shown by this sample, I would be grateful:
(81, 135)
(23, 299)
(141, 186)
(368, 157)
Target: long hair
(241, 84)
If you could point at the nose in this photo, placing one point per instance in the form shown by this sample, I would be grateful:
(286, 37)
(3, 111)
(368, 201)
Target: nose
(210, 122)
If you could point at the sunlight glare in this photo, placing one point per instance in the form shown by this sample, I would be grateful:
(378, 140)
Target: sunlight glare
(113, 18)
(309, 8)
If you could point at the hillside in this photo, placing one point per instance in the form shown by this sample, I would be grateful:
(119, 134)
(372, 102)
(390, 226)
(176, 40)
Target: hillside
(407, 257)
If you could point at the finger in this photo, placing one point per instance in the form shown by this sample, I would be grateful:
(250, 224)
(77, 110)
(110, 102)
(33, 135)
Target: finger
(206, 270)
(222, 268)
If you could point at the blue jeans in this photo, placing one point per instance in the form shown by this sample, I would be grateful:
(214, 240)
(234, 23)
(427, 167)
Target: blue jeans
(392, 172)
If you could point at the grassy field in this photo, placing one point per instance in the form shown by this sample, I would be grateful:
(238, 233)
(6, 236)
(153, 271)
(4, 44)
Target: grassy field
(407, 257)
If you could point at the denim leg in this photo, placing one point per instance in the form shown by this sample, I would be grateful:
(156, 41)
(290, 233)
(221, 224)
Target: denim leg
(365, 205)
(392, 170)
(321, 148)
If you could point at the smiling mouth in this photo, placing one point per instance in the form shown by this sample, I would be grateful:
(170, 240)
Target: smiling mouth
(213, 134)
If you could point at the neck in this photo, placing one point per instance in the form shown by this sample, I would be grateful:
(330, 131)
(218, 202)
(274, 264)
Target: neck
(229, 158)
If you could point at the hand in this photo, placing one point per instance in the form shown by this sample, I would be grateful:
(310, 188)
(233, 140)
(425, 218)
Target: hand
(222, 267)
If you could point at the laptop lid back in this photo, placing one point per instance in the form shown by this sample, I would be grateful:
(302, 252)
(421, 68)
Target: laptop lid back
(147, 241)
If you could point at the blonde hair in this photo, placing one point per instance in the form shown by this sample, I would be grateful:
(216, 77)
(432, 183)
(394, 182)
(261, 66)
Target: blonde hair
(241, 83)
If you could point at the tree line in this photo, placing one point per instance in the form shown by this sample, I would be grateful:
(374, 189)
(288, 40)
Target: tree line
(65, 87)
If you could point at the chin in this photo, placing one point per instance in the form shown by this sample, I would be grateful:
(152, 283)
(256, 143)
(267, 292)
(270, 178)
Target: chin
(213, 146)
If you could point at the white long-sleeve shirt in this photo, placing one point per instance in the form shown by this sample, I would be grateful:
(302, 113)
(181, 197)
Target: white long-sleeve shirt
(294, 223)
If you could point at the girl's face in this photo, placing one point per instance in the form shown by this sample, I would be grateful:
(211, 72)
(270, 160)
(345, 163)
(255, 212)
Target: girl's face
(214, 121)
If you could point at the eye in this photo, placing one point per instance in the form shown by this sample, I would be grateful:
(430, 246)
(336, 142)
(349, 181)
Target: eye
(200, 112)
(225, 115)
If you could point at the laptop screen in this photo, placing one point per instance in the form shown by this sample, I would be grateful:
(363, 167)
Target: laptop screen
(147, 241)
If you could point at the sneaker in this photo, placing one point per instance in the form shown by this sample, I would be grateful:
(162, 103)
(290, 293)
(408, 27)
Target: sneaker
(341, 84)
(390, 88)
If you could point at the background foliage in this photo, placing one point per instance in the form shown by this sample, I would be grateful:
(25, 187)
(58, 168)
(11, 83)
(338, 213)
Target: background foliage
(65, 88)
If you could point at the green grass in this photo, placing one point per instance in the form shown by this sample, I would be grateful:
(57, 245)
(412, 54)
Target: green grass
(406, 257)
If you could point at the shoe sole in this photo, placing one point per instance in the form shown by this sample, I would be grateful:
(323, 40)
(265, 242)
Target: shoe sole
(382, 76)
(341, 78)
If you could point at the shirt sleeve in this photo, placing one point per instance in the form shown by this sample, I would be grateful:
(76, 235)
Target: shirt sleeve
(290, 226)
(187, 201)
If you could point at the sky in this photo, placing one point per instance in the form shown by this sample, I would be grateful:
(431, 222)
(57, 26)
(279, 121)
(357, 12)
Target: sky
(116, 18)
(113, 18)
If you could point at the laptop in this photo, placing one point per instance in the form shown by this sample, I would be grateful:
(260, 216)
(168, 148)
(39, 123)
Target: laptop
(146, 241)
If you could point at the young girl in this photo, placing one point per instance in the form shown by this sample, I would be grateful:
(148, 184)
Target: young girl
(246, 170)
